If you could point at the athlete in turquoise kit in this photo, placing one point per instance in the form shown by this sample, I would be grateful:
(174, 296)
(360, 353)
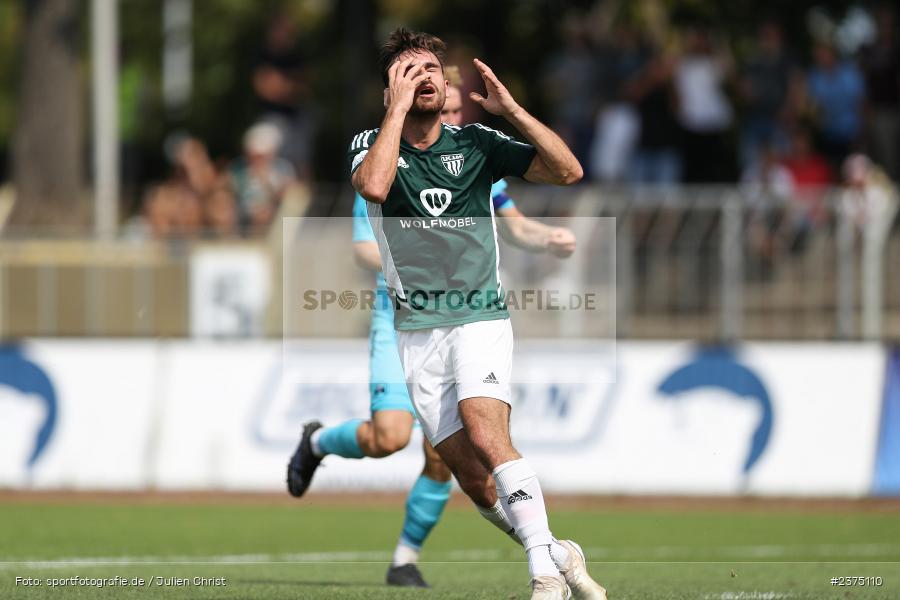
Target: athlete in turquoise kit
(393, 416)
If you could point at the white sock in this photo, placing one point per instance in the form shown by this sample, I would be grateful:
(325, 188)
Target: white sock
(314, 442)
(559, 554)
(540, 562)
(522, 501)
(497, 516)
(404, 554)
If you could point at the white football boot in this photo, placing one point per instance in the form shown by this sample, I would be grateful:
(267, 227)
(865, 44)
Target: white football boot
(577, 577)
(549, 587)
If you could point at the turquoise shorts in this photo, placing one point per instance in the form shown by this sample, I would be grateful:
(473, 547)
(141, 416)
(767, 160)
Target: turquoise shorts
(387, 384)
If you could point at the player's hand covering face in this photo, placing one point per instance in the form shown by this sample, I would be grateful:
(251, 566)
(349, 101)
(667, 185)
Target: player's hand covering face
(499, 101)
(416, 84)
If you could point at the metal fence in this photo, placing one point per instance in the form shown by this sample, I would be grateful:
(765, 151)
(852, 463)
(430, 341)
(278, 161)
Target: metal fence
(708, 263)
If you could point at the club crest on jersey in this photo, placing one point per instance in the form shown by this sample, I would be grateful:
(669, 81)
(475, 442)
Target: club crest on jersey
(453, 163)
(435, 200)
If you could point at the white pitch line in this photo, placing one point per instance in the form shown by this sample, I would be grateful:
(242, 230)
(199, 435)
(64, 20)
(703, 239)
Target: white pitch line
(751, 551)
(234, 559)
(472, 555)
(748, 596)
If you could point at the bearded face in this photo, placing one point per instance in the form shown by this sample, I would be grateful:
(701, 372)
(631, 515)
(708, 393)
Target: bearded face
(432, 91)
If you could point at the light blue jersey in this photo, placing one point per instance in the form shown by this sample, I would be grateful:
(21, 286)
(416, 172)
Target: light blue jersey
(383, 312)
(387, 385)
(498, 196)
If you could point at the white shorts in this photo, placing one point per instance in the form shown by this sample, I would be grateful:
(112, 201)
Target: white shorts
(444, 365)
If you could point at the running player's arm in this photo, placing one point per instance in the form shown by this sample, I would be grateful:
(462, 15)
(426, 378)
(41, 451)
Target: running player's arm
(534, 236)
(367, 256)
(373, 175)
(365, 248)
(554, 162)
(528, 234)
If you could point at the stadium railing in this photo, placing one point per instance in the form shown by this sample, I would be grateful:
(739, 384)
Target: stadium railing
(707, 263)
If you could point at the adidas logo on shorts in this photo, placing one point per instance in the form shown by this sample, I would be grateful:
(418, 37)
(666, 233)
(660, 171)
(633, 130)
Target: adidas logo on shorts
(518, 497)
(491, 378)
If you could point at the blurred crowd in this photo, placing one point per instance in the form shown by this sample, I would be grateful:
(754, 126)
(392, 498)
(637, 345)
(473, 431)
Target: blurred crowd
(643, 105)
(202, 197)
(242, 196)
(789, 122)
(679, 107)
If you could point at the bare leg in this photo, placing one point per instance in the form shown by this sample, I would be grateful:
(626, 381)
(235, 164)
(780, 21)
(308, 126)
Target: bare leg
(386, 433)
(471, 474)
(435, 468)
(486, 422)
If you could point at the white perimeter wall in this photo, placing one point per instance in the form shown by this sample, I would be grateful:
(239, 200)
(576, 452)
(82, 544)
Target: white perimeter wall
(201, 415)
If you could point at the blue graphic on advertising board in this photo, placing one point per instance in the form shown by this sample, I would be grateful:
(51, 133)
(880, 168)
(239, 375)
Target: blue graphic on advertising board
(30, 382)
(886, 481)
(719, 368)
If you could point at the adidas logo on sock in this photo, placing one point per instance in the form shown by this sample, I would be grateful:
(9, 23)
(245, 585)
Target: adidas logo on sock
(491, 378)
(518, 497)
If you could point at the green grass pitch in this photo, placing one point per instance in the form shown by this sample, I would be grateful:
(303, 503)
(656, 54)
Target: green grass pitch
(271, 550)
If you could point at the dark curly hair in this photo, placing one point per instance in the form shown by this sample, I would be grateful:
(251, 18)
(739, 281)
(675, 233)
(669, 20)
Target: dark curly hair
(403, 40)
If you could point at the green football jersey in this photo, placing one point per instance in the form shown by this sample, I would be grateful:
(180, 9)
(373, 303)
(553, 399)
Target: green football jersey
(436, 231)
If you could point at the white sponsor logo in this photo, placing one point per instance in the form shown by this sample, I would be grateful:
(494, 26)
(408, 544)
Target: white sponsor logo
(435, 200)
(450, 222)
(358, 159)
(401, 162)
(453, 163)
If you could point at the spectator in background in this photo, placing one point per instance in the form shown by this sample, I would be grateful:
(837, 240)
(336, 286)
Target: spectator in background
(809, 169)
(836, 90)
(657, 157)
(811, 174)
(767, 187)
(261, 178)
(194, 198)
(869, 199)
(280, 85)
(763, 88)
(569, 80)
(881, 65)
(617, 123)
(705, 113)
(869, 205)
(767, 178)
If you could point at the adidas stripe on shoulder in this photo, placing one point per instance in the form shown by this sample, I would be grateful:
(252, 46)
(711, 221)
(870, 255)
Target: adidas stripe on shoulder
(359, 147)
(499, 134)
(361, 140)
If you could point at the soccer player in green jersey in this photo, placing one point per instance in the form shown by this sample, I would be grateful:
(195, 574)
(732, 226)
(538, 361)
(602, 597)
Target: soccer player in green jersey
(428, 188)
(434, 225)
(392, 413)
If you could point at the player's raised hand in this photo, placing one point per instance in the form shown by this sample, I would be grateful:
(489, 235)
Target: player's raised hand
(561, 242)
(499, 101)
(404, 77)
